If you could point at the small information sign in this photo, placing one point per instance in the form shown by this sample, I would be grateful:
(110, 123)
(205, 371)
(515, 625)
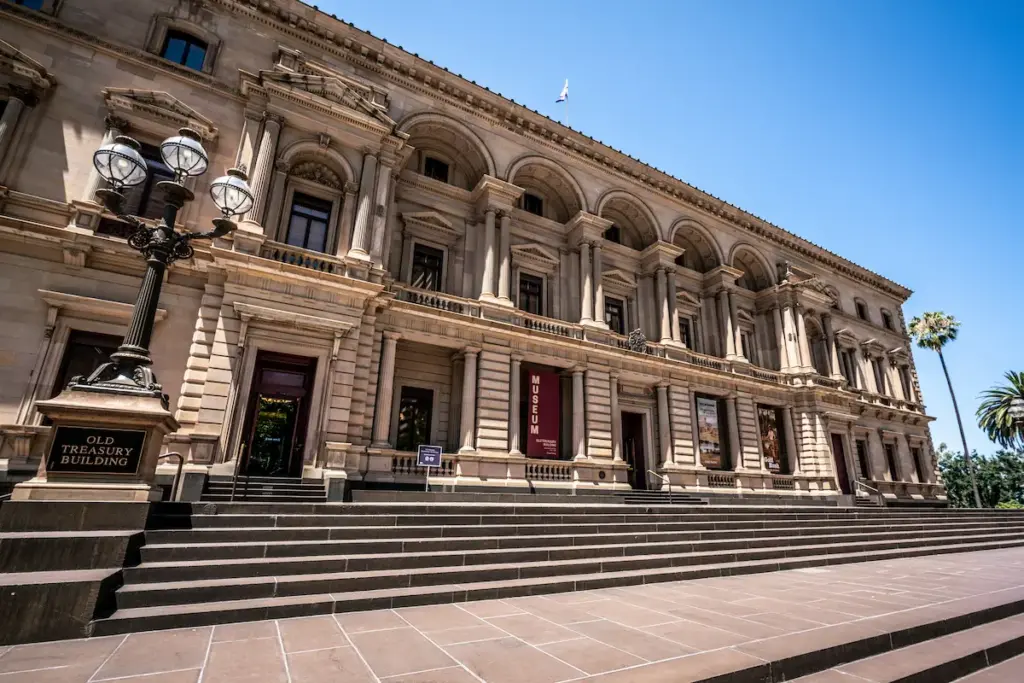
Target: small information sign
(88, 450)
(428, 456)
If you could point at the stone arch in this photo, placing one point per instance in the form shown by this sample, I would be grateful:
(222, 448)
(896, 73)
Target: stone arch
(636, 222)
(452, 140)
(562, 194)
(304, 152)
(757, 271)
(702, 250)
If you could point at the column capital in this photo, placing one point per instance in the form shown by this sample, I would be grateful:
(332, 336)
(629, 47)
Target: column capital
(516, 357)
(391, 334)
(276, 119)
(578, 370)
(113, 122)
(471, 350)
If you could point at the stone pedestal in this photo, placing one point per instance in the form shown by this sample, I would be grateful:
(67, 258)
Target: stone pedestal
(103, 447)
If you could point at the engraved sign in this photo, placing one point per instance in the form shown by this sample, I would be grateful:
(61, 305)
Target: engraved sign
(85, 450)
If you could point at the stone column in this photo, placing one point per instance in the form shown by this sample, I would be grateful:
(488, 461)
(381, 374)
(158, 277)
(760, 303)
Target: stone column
(364, 210)
(664, 427)
(780, 337)
(805, 347)
(598, 285)
(732, 418)
(385, 390)
(792, 347)
(114, 127)
(586, 286)
(514, 447)
(735, 319)
(348, 214)
(382, 193)
(725, 324)
(661, 291)
(833, 348)
(578, 437)
(616, 419)
(9, 122)
(259, 179)
(792, 457)
(698, 329)
(487, 284)
(468, 420)
(673, 313)
(505, 270)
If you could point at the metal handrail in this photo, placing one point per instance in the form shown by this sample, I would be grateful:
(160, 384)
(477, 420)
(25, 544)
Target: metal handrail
(666, 480)
(177, 476)
(870, 489)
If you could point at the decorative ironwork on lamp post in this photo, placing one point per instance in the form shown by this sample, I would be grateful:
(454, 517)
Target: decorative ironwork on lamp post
(129, 370)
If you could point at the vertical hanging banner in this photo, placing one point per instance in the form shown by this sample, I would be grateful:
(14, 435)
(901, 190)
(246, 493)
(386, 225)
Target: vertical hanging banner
(709, 434)
(542, 414)
(767, 418)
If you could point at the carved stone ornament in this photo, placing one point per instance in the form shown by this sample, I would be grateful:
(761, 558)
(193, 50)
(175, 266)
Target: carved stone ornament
(316, 173)
(637, 341)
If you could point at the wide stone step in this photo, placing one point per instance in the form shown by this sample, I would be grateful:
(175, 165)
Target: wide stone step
(148, 594)
(1004, 672)
(164, 616)
(363, 542)
(941, 660)
(406, 558)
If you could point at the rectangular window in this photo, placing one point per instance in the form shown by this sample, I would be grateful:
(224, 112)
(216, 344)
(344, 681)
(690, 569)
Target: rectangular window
(848, 367)
(773, 446)
(415, 409)
(85, 351)
(533, 204)
(147, 200)
(908, 390)
(436, 169)
(862, 459)
(686, 332)
(915, 453)
(427, 267)
(615, 314)
(862, 310)
(31, 4)
(879, 369)
(746, 345)
(307, 222)
(531, 294)
(182, 48)
(887, 320)
(890, 460)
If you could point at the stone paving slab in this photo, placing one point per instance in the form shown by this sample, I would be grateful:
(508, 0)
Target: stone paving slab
(684, 631)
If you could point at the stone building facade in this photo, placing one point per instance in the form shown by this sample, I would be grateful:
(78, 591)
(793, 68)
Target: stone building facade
(426, 262)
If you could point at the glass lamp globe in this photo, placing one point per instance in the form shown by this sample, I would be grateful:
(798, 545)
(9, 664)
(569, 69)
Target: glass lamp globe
(231, 193)
(119, 162)
(184, 153)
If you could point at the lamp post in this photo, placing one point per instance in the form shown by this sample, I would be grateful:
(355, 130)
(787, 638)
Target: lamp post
(109, 427)
(129, 369)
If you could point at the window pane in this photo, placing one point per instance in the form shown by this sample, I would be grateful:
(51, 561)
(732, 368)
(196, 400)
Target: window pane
(684, 332)
(184, 49)
(614, 315)
(175, 50)
(316, 240)
(196, 57)
(414, 416)
(85, 352)
(533, 204)
(531, 289)
(436, 169)
(613, 234)
(427, 266)
(297, 231)
(31, 4)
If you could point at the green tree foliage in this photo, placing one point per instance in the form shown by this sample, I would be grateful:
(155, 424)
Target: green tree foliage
(994, 415)
(1000, 478)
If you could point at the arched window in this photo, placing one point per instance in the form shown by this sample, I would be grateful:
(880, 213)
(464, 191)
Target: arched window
(185, 49)
(613, 234)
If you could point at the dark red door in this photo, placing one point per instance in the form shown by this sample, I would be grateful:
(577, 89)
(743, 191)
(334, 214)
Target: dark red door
(839, 456)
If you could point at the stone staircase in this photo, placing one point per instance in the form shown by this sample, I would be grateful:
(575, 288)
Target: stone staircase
(660, 498)
(209, 563)
(264, 490)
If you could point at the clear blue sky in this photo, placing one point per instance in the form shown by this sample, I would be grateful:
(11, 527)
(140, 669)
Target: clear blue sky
(889, 132)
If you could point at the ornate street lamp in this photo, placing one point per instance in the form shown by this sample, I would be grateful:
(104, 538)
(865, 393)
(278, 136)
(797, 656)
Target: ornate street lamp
(129, 369)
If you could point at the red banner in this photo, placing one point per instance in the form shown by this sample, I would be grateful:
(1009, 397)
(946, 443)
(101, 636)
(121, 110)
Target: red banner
(542, 413)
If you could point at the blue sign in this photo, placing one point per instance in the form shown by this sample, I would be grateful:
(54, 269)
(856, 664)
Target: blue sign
(428, 456)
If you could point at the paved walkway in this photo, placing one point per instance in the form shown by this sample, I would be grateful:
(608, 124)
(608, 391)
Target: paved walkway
(670, 631)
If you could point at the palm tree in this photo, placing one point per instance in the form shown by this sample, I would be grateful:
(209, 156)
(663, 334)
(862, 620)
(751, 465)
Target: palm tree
(933, 331)
(997, 414)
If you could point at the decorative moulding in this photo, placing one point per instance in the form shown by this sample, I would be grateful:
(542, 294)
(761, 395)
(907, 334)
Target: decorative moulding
(88, 307)
(536, 257)
(430, 226)
(149, 109)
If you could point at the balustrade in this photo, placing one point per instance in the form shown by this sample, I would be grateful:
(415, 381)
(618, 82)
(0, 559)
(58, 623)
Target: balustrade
(549, 471)
(303, 258)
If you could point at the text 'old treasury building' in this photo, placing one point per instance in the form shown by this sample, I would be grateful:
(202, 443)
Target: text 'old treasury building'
(426, 262)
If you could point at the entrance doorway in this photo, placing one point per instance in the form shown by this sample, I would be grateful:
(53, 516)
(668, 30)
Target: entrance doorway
(839, 456)
(633, 449)
(277, 415)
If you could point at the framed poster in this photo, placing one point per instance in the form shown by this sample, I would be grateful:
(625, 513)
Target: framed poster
(709, 433)
(771, 446)
(542, 414)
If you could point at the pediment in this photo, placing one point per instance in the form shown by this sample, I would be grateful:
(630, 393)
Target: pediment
(430, 226)
(615, 276)
(535, 256)
(22, 69)
(156, 108)
(686, 299)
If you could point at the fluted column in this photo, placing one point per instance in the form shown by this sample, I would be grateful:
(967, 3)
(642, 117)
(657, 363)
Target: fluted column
(259, 179)
(514, 436)
(616, 419)
(732, 418)
(664, 427)
(578, 436)
(661, 291)
(673, 313)
(833, 349)
(364, 210)
(586, 285)
(9, 120)
(598, 285)
(505, 270)
(725, 324)
(792, 345)
(780, 337)
(385, 390)
(487, 284)
(805, 347)
(735, 318)
(468, 421)
(382, 193)
(348, 214)
(114, 127)
(791, 455)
